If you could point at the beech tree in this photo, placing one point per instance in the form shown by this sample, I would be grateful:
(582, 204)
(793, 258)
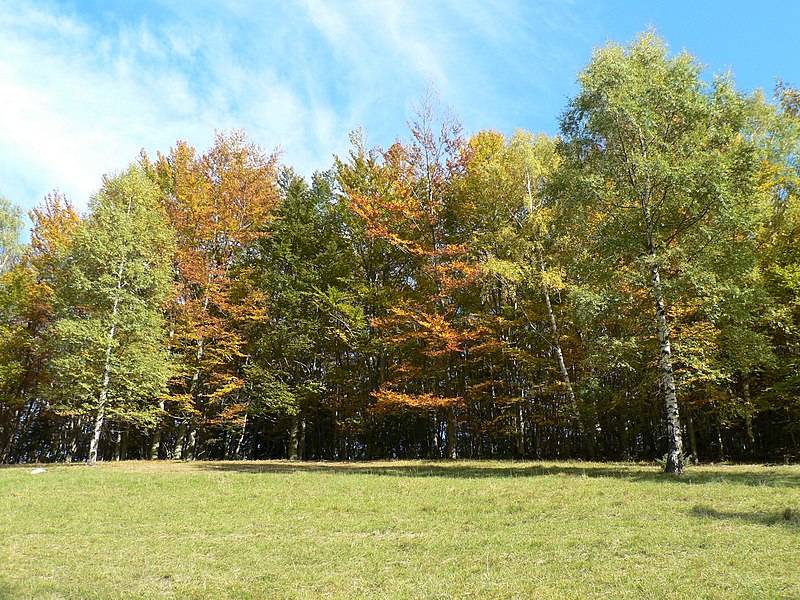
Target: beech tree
(776, 131)
(412, 205)
(303, 267)
(659, 160)
(217, 202)
(14, 341)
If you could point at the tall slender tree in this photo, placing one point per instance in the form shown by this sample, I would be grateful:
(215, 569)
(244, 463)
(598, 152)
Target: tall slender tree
(218, 203)
(659, 160)
(109, 357)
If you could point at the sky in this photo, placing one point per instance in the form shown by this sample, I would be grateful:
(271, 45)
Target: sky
(85, 85)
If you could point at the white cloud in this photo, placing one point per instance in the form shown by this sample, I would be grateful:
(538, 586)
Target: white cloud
(83, 95)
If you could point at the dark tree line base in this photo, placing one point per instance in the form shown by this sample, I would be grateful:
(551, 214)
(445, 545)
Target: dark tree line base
(49, 438)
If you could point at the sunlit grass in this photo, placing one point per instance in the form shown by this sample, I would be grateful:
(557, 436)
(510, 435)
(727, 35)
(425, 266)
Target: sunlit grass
(398, 529)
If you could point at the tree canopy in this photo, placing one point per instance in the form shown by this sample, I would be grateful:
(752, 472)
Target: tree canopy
(629, 288)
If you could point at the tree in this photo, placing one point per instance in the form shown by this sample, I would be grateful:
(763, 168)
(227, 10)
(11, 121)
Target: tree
(303, 268)
(659, 161)
(10, 226)
(523, 264)
(218, 203)
(408, 202)
(14, 340)
(776, 132)
(29, 426)
(108, 353)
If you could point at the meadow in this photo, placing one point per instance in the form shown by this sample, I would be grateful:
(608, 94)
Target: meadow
(410, 529)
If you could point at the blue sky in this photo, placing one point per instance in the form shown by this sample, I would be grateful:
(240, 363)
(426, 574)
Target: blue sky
(86, 84)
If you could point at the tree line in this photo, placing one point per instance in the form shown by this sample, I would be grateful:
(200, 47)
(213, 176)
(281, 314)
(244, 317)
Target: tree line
(628, 289)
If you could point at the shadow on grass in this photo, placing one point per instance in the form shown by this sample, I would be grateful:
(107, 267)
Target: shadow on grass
(787, 517)
(473, 470)
(10, 591)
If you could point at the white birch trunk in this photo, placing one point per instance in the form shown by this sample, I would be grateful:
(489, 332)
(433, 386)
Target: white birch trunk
(103, 397)
(573, 402)
(674, 438)
(240, 443)
(674, 462)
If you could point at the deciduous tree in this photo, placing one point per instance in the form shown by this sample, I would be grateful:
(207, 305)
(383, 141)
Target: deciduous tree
(660, 160)
(108, 353)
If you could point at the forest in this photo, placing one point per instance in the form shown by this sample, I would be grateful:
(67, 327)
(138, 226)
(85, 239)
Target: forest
(628, 289)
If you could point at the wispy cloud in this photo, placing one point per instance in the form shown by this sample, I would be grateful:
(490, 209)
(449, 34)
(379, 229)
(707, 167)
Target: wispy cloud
(85, 89)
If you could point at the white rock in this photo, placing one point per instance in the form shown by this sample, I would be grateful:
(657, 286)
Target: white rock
(38, 470)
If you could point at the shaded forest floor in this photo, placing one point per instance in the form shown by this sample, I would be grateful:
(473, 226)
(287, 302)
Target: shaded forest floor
(410, 529)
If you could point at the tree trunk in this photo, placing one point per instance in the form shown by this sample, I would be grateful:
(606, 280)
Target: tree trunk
(117, 446)
(6, 433)
(191, 449)
(103, 398)
(155, 442)
(101, 405)
(452, 449)
(674, 462)
(692, 437)
(294, 438)
(240, 443)
(748, 416)
(302, 449)
(433, 447)
(72, 443)
(180, 439)
(123, 451)
(720, 443)
(573, 402)
(253, 443)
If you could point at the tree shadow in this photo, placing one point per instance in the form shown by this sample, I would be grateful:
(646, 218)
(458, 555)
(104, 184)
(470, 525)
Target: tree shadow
(787, 517)
(8, 590)
(780, 477)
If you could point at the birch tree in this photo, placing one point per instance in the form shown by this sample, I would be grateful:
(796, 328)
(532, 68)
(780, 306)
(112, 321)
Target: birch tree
(109, 359)
(659, 161)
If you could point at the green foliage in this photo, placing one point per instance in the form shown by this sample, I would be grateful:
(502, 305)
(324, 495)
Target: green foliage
(10, 226)
(110, 302)
(302, 265)
(647, 133)
(660, 176)
(474, 296)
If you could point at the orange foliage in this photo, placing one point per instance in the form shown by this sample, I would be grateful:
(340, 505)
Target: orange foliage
(389, 400)
(218, 203)
(54, 222)
(408, 197)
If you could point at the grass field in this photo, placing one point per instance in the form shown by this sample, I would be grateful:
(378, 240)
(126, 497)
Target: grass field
(398, 530)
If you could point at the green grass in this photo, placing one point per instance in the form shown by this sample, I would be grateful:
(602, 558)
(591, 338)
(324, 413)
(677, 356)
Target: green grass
(399, 530)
